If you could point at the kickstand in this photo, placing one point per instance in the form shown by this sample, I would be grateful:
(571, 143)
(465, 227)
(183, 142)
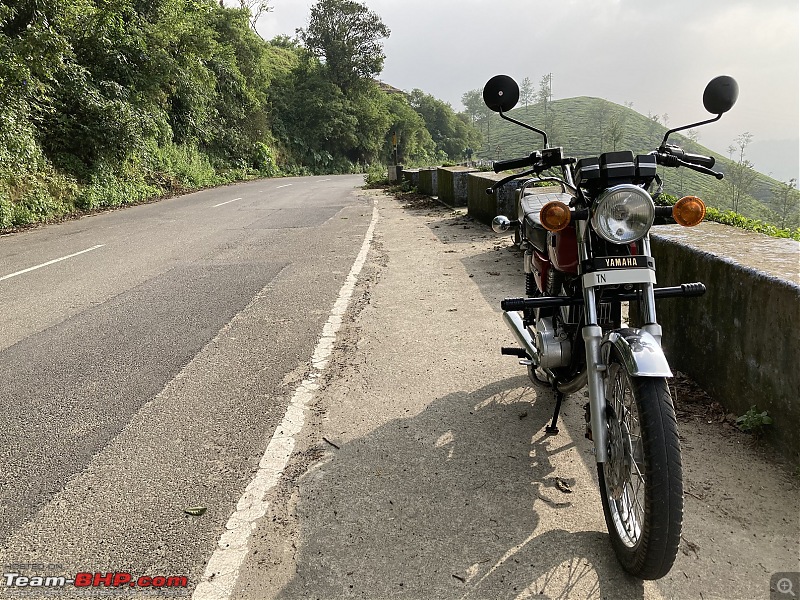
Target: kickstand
(552, 429)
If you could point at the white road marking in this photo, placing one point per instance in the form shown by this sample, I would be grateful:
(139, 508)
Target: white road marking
(283, 186)
(222, 570)
(224, 203)
(50, 262)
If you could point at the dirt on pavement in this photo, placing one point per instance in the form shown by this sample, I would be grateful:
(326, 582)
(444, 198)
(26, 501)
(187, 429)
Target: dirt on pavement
(424, 470)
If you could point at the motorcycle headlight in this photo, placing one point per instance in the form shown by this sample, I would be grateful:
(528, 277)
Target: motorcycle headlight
(623, 214)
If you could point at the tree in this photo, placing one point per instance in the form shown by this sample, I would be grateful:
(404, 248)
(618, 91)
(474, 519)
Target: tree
(450, 133)
(477, 111)
(474, 105)
(545, 94)
(347, 35)
(616, 128)
(599, 122)
(526, 91)
(741, 176)
(414, 143)
(256, 8)
(787, 199)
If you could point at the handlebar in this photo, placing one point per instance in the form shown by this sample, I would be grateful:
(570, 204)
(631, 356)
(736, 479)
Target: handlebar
(673, 156)
(699, 159)
(517, 163)
(695, 159)
(537, 160)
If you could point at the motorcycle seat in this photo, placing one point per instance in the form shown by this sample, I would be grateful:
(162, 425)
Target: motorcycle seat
(531, 204)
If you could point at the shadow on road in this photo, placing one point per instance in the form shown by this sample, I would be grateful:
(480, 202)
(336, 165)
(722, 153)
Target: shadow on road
(458, 501)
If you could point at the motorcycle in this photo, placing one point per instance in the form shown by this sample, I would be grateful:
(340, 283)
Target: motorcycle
(586, 254)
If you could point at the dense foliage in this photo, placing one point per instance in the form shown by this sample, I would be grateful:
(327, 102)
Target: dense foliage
(104, 102)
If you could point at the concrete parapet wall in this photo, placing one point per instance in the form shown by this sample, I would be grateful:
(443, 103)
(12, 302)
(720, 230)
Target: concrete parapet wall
(485, 207)
(740, 340)
(428, 182)
(411, 176)
(452, 185)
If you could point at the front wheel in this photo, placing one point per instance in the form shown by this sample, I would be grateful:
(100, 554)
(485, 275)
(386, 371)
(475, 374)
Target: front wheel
(641, 484)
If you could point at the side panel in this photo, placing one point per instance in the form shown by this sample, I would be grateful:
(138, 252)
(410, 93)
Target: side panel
(563, 250)
(541, 265)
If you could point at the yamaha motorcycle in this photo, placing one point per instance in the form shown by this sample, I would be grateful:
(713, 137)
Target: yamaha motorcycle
(586, 258)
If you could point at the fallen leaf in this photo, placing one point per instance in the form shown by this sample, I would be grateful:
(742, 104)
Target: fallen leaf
(563, 486)
(195, 511)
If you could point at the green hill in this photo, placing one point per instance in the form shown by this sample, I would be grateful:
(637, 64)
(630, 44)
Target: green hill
(588, 126)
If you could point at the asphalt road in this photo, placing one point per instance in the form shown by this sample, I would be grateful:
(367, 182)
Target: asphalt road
(147, 355)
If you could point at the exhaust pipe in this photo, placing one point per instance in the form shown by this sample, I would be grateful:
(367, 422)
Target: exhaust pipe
(515, 324)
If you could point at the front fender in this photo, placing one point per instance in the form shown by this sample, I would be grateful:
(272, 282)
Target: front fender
(640, 351)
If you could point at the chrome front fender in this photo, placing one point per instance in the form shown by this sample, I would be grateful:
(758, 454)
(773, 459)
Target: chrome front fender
(640, 351)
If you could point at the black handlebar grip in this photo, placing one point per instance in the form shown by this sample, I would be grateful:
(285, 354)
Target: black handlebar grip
(667, 160)
(693, 289)
(513, 163)
(699, 159)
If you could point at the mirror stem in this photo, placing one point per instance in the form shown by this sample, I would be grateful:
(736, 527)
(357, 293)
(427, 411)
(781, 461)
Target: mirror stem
(521, 124)
(671, 131)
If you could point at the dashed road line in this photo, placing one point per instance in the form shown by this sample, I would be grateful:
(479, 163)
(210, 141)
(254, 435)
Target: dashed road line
(224, 203)
(50, 262)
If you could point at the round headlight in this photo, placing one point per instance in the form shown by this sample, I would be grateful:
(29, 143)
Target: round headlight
(623, 214)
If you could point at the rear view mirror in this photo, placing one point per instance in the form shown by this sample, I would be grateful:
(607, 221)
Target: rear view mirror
(501, 93)
(720, 94)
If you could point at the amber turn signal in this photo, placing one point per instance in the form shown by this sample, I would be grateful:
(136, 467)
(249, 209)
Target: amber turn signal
(555, 216)
(689, 211)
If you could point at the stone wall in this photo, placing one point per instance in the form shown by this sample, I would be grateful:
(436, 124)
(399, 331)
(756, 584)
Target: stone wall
(739, 341)
(485, 207)
(428, 182)
(452, 185)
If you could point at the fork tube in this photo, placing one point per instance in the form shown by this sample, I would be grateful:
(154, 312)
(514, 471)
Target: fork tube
(648, 304)
(592, 336)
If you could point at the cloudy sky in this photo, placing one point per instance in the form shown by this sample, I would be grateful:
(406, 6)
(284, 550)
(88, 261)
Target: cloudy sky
(656, 54)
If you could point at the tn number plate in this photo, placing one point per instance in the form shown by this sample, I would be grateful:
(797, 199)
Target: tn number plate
(619, 277)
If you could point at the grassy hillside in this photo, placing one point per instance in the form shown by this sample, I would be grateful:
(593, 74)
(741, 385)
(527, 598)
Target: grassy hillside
(588, 126)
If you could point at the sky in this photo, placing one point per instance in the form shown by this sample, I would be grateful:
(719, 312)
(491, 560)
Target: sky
(659, 55)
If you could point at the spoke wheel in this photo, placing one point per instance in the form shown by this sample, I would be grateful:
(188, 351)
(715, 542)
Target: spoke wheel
(641, 484)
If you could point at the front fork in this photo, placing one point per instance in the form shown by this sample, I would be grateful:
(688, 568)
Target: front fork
(593, 339)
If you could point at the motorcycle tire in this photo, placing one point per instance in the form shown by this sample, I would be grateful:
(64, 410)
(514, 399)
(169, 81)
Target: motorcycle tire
(641, 485)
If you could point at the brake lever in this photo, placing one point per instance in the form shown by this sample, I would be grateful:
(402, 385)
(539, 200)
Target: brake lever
(669, 160)
(701, 169)
(491, 190)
